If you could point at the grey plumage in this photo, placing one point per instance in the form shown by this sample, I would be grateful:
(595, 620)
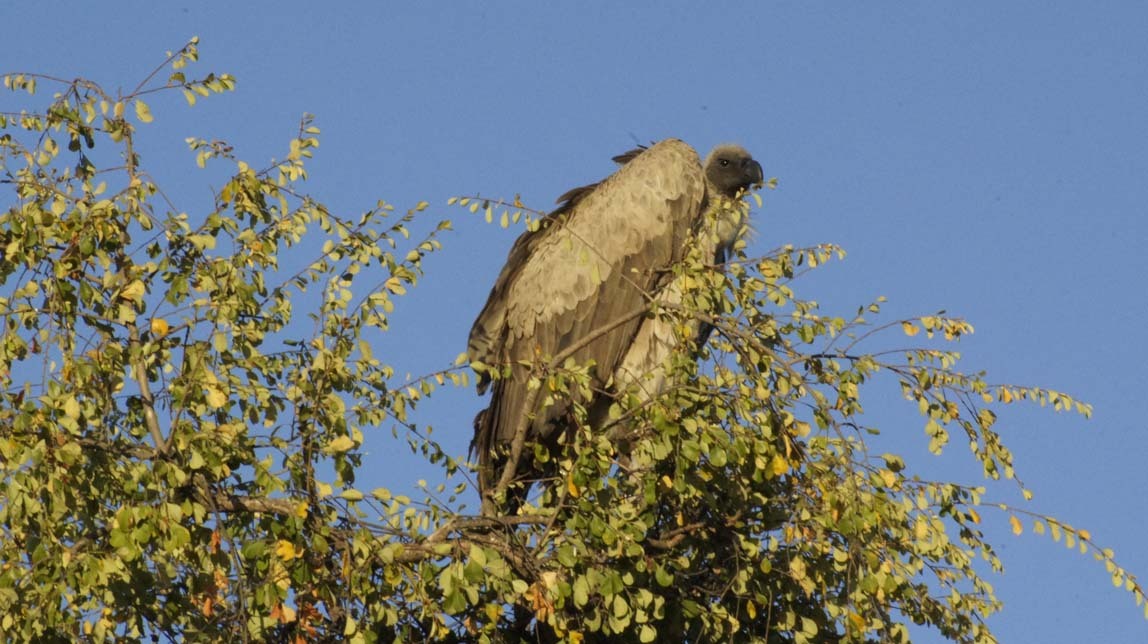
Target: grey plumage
(580, 284)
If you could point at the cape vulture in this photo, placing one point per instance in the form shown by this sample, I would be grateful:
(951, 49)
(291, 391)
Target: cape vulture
(578, 288)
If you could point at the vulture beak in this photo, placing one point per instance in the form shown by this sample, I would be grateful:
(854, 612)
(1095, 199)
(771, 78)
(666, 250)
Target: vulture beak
(753, 174)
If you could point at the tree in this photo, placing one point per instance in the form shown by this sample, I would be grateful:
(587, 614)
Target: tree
(179, 442)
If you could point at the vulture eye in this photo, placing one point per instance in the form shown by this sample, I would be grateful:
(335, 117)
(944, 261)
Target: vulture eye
(724, 162)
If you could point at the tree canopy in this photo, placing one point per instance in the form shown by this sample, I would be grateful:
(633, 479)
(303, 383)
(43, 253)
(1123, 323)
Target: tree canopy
(185, 395)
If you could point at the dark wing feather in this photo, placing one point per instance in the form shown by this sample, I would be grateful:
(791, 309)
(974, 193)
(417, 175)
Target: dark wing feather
(629, 155)
(598, 261)
(572, 196)
(488, 334)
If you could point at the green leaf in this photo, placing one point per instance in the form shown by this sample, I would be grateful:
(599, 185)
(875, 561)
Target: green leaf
(195, 461)
(581, 592)
(72, 408)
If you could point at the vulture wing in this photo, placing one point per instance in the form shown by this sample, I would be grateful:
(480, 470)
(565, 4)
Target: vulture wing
(578, 285)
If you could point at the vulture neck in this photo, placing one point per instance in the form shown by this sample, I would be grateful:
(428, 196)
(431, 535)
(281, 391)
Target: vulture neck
(727, 218)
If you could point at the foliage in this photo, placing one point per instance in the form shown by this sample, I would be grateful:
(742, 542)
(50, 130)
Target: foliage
(179, 446)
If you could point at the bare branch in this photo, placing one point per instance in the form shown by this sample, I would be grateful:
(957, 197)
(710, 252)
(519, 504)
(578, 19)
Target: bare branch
(139, 372)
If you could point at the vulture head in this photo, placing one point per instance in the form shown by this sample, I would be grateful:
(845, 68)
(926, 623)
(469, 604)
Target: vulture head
(729, 168)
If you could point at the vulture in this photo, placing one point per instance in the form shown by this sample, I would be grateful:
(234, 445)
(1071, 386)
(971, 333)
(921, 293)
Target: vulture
(581, 284)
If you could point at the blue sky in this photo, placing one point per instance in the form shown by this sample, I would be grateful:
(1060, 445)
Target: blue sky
(989, 160)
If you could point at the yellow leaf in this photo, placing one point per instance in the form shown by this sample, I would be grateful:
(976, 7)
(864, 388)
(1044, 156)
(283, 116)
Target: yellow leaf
(909, 328)
(134, 291)
(1017, 528)
(778, 465)
(159, 327)
(1084, 534)
(571, 487)
(797, 568)
(216, 397)
(143, 112)
(340, 445)
(287, 614)
(286, 550)
(974, 516)
(72, 408)
(302, 510)
(888, 478)
(395, 285)
(494, 612)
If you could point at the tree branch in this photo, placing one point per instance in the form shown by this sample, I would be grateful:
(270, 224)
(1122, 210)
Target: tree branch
(139, 372)
(237, 503)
